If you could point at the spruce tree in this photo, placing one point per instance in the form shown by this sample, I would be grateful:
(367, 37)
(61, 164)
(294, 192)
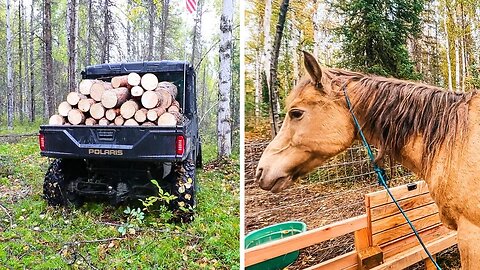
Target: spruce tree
(374, 35)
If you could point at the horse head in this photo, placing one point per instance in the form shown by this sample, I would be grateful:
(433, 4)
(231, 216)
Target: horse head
(318, 126)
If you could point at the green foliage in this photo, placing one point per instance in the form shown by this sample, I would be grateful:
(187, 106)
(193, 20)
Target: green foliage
(374, 35)
(43, 237)
(161, 197)
(135, 218)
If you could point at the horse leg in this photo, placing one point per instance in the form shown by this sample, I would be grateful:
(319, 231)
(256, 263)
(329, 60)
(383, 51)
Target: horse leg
(468, 236)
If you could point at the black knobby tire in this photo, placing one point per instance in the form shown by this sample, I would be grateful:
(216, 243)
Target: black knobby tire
(184, 188)
(56, 188)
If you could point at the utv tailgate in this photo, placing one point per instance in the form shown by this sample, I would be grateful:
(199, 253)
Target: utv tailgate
(113, 142)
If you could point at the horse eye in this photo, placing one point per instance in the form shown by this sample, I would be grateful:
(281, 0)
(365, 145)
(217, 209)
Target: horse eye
(295, 114)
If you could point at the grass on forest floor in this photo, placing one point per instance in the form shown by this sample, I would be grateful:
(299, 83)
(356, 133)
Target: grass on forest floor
(36, 236)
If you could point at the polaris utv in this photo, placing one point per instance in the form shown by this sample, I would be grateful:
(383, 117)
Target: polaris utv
(117, 163)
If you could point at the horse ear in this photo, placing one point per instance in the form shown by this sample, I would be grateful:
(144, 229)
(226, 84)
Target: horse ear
(313, 68)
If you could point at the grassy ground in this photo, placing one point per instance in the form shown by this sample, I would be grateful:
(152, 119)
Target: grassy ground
(35, 236)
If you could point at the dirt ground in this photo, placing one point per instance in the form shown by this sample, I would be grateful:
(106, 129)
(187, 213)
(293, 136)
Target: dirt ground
(335, 192)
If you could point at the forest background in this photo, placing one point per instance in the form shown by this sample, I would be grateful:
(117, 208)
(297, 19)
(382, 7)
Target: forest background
(50, 43)
(433, 41)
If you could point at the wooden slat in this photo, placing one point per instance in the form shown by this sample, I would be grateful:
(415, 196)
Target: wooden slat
(429, 264)
(276, 248)
(394, 233)
(399, 245)
(406, 204)
(346, 261)
(398, 219)
(411, 256)
(399, 193)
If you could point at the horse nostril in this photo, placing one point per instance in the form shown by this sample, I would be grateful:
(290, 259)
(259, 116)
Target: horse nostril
(258, 174)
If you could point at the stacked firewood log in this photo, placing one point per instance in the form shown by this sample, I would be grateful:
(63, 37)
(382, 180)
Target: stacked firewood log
(128, 100)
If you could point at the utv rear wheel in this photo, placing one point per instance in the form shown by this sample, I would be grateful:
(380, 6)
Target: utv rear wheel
(184, 188)
(57, 187)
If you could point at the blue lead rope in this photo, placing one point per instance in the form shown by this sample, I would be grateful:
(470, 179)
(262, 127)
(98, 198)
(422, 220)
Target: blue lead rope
(382, 177)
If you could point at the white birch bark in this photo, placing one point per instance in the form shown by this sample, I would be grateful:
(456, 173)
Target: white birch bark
(457, 52)
(9, 69)
(316, 29)
(294, 44)
(449, 62)
(225, 81)
(267, 42)
(258, 85)
(32, 65)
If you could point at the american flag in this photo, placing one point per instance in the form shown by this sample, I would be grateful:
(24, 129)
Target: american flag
(191, 5)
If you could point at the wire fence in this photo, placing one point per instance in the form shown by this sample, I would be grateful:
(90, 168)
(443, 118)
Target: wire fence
(334, 192)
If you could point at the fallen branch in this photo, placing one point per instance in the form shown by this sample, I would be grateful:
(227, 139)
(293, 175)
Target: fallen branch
(8, 214)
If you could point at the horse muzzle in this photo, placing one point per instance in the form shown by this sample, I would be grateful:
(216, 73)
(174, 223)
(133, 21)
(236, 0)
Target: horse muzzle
(274, 183)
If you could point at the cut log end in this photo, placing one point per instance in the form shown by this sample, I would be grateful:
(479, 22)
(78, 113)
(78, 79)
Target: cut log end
(167, 119)
(97, 111)
(73, 98)
(103, 122)
(115, 97)
(90, 121)
(149, 82)
(141, 115)
(119, 120)
(137, 91)
(56, 120)
(120, 81)
(85, 104)
(85, 86)
(64, 108)
(110, 114)
(134, 79)
(169, 87)
(76, 117)
(130, 122)
(129, 108)
(151, 99)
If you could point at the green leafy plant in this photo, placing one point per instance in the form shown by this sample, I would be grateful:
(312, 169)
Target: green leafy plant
(135, 218)
(158, 203)
(162, 196)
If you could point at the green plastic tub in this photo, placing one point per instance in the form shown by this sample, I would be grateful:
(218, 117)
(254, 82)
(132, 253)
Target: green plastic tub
(272, 233)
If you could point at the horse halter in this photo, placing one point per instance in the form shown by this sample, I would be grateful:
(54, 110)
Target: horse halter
(381, 176)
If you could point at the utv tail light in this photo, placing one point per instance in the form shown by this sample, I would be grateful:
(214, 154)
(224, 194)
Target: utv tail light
(41, 141)
(180, 144)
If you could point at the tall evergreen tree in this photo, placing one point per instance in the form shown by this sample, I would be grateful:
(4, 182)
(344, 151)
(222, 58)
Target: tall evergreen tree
(374, 35)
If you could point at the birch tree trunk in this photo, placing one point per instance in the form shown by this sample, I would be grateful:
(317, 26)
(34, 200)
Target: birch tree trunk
(197, 33)
(9, 69)
(26, 78)
(163, 36)
(463, 44)
(151, 24)
(258, 85)
(224, 133)
(449, 62)
(294, 42)
(273, 69)
(106, 32)
(316, 29)
(48, 90)
(267, 46)
(71, 25)
(89, 33)
(457, 50)
(32, 65)
(129, 32)
(21, 80)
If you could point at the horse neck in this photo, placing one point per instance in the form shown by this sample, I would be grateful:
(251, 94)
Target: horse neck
(411, 154)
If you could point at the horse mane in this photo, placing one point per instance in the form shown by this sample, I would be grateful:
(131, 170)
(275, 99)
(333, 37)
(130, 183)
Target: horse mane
(397, 111)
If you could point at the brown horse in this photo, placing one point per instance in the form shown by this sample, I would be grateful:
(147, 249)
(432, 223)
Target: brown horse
(432, 132)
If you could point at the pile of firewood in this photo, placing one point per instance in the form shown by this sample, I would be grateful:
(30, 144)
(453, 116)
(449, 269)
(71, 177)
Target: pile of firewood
(128, 100)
